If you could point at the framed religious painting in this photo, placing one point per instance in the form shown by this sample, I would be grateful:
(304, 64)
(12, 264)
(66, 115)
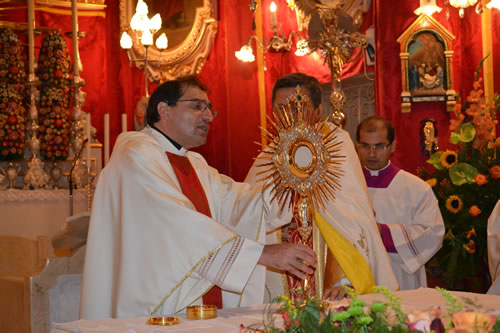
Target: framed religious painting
(426, 64)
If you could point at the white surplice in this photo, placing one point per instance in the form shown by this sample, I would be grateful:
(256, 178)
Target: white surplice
(494, 249)
(350, 214)
(408, 206)
(148, 244)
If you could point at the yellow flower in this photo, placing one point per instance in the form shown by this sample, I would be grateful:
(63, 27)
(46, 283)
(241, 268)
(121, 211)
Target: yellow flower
(449, 158)
(449, 235)
(432, 182)
(454, 204)
(471, 232)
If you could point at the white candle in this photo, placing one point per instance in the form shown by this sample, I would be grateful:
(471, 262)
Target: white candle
(273, 9)
(74, 21)
(106, 138)
(124, 122)
(87, 135)
(31, 41)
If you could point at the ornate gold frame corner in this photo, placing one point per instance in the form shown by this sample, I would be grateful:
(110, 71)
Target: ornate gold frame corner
(187, 58)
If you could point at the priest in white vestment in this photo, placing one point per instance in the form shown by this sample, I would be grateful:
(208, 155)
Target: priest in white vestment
(405, 206)
(350, 214)
(151, 249)
(494, 249)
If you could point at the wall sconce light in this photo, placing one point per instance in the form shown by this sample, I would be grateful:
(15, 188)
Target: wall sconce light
(427, 7)
(144, 29)
(278, 41)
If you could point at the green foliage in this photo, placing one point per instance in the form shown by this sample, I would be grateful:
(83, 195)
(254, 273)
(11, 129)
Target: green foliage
(463, 173)
(473, 179)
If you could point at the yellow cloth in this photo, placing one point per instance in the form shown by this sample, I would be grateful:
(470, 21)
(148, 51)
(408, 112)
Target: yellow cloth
(350, 260)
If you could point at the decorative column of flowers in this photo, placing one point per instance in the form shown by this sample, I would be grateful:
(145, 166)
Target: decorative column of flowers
(54, 73)
(466, 182)
(12, 111)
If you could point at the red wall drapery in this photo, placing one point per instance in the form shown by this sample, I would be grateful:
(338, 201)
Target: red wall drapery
(114, 87)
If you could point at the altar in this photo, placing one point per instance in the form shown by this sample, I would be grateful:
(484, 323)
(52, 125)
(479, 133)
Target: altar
(230, 320)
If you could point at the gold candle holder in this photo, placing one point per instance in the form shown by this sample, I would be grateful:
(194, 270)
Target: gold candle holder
(163, 321)
(196, 312)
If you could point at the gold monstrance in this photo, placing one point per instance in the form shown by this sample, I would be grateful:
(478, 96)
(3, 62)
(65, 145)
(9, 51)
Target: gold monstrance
(301, 162)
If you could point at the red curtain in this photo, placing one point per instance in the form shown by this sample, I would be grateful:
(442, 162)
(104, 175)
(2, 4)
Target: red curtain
(114, 87)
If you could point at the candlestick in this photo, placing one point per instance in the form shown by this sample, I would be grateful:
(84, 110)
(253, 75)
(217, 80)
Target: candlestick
(124, 122)
(74, 21)
(31, 41)
(87, 135)
(106, 138)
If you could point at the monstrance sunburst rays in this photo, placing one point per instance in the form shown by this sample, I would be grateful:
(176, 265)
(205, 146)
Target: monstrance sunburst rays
(302, 158)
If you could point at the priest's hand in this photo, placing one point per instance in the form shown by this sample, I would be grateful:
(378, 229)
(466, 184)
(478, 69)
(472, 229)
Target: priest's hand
(335, 293)
(297, 259)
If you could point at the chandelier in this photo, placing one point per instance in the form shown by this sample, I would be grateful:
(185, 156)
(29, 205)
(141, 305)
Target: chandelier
(278, 41)
(143, 30)
(462, 4)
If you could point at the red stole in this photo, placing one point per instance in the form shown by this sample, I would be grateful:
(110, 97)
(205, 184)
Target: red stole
(192, 189)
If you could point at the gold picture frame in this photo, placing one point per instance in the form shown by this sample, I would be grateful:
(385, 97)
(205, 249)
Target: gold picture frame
(426, 64)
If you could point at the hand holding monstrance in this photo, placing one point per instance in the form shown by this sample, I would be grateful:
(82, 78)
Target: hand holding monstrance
(301, 161)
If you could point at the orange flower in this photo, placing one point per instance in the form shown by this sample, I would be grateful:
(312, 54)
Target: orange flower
(470, 247)
(471, 232)
(495, 172)
(432, 182)
(474, 211)
(480, 179)
(455, 123)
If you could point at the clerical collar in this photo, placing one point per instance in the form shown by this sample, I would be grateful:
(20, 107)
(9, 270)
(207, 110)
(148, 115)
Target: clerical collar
(176, 145)
(380, 178)
(376, 172)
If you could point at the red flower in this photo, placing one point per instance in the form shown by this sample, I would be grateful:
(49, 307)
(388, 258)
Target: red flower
(286, 319)
(495, 172)
(480, 179)
(14, 69)
(474, 211)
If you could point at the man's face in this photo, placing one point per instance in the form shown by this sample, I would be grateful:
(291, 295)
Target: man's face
(188, 122)
(374, 150)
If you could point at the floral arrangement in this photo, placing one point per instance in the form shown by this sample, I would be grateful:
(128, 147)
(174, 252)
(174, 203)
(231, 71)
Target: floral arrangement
(314, 315)
(54, 72)
(12, 111)
(466, 182)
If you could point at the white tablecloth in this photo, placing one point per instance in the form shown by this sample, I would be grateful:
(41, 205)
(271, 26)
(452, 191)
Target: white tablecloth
(229, 320)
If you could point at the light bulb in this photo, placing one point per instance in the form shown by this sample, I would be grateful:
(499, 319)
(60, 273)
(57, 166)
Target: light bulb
(125, 41)
(162, 42)
(494, 4)
(142, 8)
(135, 22)
(147, 38)
(245, 54)
(155, 23)
(273, 7)
(427, 7)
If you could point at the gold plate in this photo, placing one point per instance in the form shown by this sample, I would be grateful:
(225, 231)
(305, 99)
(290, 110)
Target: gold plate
(163, 321)
(196, 312)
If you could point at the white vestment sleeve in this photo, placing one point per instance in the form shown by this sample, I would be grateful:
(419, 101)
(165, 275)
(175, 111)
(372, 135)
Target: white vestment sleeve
(494, 249)
(420, 237)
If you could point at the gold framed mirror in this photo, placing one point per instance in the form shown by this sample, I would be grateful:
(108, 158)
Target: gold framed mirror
(190, 26)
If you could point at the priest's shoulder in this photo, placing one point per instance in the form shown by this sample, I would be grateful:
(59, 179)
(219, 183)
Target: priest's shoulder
(411, 181)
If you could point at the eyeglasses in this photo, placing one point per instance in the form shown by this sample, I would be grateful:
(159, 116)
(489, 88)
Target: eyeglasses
(377, 147)
(200, 105)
